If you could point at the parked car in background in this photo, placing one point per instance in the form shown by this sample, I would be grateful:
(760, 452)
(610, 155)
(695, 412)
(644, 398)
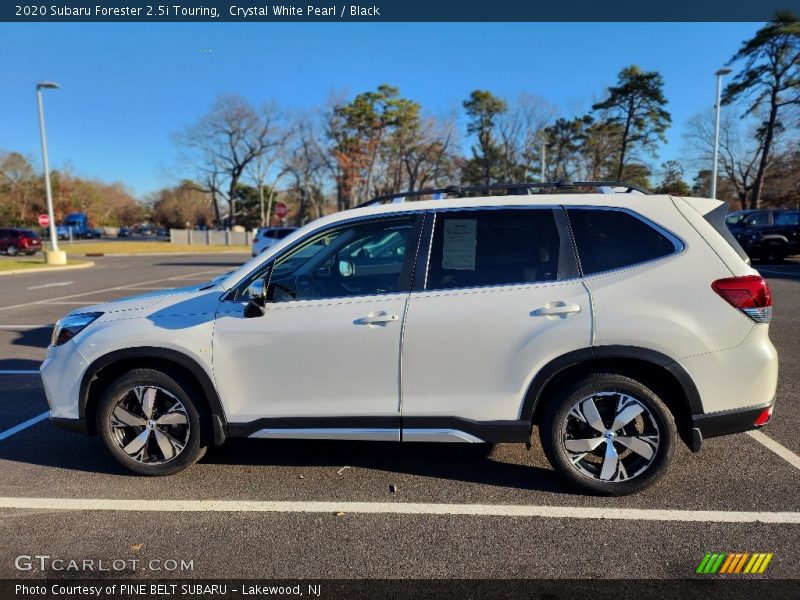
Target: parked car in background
(124, 232)
(16, 241)
(162, 232)
(267, 237)
(769, 235)
(93, 233)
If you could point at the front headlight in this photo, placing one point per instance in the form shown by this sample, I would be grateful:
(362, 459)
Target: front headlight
(70, 326)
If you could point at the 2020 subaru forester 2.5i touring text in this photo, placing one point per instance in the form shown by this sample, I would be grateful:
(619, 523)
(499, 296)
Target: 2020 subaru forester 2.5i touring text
(616, 322)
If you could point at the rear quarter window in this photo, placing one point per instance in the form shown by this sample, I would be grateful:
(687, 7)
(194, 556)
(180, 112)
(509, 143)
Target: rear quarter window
(613, 239)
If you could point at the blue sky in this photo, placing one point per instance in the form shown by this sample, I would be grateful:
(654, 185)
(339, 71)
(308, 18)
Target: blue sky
(127, 87)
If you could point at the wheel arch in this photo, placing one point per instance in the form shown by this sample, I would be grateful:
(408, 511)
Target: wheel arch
(656, 370)
(104, 370)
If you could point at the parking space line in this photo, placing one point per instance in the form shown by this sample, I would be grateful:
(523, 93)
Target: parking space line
(401, 508)
(19, 372)
(25, 326)
(81, 303)
(54, 284)
(111, 289)
(775, 447)
(16, 429)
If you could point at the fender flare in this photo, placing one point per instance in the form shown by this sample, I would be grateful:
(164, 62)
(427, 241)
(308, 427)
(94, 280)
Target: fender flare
(586, 355)
(155, 353)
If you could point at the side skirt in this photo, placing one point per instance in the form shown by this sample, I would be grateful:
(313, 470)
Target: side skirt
(407, 429)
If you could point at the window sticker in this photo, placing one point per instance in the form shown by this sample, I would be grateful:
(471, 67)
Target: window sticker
(460, 242)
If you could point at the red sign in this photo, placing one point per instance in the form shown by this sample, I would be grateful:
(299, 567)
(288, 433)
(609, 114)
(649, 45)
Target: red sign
(281, 210)
(44, 220)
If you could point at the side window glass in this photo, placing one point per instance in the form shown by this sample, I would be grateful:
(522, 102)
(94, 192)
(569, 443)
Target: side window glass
(611, 239)
(475, 248)
(787, 219)
(759, 218)
(356, 260)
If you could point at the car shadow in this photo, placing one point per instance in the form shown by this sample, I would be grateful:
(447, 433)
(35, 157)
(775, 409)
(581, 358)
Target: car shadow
(48, 447)
(19, 364)
(38, 337)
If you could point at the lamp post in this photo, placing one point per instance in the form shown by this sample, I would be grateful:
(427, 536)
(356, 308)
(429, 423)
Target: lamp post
(56, 256)
(719, 74)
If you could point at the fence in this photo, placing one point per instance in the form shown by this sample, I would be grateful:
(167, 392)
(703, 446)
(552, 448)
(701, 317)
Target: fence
(210, 237)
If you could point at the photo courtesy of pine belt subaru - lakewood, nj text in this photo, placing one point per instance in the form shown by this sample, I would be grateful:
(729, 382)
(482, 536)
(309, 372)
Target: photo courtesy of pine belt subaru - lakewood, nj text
(614, 320)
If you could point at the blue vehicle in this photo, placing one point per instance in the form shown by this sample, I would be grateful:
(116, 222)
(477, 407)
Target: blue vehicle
(78, 223)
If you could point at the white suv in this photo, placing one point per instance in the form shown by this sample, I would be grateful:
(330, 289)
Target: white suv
(612, 321)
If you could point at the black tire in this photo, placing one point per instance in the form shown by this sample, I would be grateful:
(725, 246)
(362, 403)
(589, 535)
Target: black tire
(559, 427)
(169, 389)
(774, 252)
(12, 250)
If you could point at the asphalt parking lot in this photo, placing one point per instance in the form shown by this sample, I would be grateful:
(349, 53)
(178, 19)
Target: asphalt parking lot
(327, 509)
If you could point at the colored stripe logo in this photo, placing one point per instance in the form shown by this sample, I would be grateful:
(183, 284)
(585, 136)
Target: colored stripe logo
(734, 563)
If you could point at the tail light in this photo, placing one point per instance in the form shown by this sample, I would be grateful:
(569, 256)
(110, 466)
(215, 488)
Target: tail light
(749, 294)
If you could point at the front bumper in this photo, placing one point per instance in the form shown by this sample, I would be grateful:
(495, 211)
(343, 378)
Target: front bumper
(727, 422)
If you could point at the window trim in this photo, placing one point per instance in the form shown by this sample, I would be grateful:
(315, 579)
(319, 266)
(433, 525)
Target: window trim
(260, 270)
(677, 243)
(426, 245)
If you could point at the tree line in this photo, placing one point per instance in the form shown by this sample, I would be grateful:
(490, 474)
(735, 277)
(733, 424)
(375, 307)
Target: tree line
(239, 159)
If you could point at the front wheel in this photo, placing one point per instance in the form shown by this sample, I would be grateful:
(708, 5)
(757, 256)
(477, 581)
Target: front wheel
(609, 434)
(151, 424)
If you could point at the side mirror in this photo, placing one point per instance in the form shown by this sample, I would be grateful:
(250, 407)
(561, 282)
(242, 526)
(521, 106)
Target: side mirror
(257, 295)
(346, 268)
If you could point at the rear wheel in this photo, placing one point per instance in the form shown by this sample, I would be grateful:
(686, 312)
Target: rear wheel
(609, 434)
(151, 424)
(12, 250)
(774, 252)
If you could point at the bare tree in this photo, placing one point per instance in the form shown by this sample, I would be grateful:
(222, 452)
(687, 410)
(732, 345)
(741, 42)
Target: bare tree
(740, 149)
(224, 143)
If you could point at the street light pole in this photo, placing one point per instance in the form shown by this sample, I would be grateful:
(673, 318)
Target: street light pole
(53, 237)
(719, 75)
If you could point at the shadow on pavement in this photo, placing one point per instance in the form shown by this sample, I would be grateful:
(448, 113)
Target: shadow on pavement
(19, 364)
(36, 338)
(466, 463)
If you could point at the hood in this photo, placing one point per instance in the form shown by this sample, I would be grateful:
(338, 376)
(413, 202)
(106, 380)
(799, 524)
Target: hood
(159, 300)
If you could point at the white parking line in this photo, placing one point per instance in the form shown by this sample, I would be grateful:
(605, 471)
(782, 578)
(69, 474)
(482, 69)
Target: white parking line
(111, 289)
(777, 448)
(403, 508)
(19, 372)
(16, 429)
(48, 285)
(81, 303)
(25, 326)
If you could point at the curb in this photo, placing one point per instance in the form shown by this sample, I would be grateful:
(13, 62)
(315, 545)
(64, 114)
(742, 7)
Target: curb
(48, 269)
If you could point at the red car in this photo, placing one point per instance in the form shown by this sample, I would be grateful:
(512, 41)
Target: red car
(14, 241)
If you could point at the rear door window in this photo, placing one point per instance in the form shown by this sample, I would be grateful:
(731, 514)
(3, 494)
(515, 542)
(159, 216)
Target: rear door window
(611, 239)
(787, 219)
(474, 248)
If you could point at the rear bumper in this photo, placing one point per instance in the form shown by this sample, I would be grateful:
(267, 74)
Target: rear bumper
(727, 422)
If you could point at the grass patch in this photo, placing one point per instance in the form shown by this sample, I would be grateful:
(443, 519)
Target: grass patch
(25, 264)
(125, 247)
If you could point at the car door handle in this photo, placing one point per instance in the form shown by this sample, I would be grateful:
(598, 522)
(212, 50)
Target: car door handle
(377, 319)
(556, 309)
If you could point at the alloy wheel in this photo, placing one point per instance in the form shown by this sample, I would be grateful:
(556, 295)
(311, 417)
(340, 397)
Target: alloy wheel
(610, 437)
(150, 425)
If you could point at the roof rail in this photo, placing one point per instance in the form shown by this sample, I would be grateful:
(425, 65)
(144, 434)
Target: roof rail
(605, 187)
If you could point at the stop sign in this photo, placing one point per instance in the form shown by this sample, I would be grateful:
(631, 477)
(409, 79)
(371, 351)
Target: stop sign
(44, 220)
(281, 210)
